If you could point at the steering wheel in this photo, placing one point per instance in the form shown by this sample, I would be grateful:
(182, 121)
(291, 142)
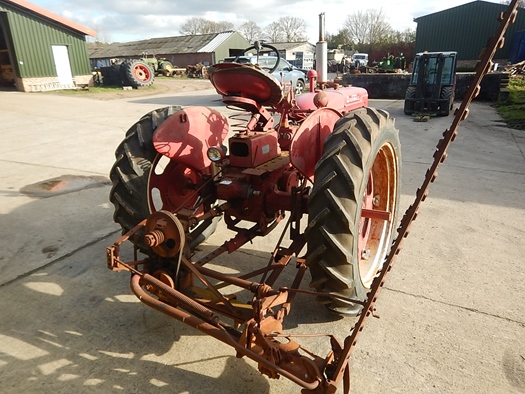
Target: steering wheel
(258, 45)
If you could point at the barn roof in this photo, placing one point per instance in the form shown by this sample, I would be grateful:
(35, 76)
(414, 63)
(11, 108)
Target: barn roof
(181, 44)
(52, 16)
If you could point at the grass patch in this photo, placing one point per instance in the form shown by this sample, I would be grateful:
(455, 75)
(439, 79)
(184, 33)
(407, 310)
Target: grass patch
(513, 110)
(100, 89)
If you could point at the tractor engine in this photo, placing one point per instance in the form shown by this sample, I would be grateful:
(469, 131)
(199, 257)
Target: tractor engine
(254, 174)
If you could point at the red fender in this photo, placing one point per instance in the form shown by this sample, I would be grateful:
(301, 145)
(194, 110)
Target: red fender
(307, 143)
(187, 134)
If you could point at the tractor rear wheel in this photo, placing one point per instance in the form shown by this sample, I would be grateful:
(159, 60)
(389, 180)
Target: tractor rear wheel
(359, 169)
(139, 73)
(143, 183)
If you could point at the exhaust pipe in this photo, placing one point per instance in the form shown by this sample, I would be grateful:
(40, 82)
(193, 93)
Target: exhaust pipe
(321, 53)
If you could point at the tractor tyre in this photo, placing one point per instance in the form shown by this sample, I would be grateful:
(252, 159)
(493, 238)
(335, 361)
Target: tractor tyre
(375, 91)
(447, 93)
(130, 174)
(165, 65)
(139, 73)
(409, 105)
(359, 169)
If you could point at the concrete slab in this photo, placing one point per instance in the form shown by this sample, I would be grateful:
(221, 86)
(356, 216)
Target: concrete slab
(452, 319)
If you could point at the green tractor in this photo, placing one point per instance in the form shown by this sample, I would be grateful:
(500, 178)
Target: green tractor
(160, 66)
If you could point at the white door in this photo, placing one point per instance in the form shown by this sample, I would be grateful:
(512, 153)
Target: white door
(62, 65)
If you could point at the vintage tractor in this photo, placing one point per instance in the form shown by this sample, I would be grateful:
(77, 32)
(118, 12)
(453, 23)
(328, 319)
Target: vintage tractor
(160, 66)
(325, 155)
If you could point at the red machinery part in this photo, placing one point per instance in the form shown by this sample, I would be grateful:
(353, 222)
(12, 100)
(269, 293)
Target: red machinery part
(186, 135)
(343, 99)
(307, 143)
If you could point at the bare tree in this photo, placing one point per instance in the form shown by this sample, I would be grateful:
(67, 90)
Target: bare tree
(195, 25)
(286, 29)
(251, 31)
(223, 26)
(192, 26)
(102, 37)
(367, 27)
(293, 28)
(274, 33)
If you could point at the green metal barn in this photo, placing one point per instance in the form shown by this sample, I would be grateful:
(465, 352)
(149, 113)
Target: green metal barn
(465, 29)
(40, 50)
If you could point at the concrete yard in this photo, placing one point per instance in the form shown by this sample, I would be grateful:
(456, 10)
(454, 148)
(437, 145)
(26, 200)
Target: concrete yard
(452, 314)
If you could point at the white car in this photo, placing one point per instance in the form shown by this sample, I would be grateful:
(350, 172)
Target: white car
(360, 59)
(284, 72)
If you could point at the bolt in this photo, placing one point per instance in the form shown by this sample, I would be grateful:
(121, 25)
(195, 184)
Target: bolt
(365, 254)
(375, 200)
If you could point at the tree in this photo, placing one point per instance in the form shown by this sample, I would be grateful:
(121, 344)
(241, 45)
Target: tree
(222, 26)
(286, 29)
(367, 28)
(251, 31)
(340, 40)
(293, 28)
(195, 25)
(273, 32)
(102, 37)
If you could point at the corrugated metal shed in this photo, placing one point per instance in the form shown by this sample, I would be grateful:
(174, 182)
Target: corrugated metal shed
(465, 29)
(216, 42)
(164, 45)
(30, 32)
(181, 50)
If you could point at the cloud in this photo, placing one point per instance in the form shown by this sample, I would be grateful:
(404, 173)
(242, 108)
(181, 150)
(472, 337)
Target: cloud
(129, 20)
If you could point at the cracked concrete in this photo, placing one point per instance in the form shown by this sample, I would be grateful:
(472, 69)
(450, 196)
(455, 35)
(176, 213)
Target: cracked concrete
(452, 317)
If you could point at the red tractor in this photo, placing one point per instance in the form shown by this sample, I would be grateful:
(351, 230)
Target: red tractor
(327, 156)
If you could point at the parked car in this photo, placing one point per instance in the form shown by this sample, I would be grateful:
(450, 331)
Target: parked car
(284, 72)
(360, 59)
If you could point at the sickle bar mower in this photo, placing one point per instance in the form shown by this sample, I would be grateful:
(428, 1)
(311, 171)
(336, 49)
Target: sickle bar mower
(329, 157)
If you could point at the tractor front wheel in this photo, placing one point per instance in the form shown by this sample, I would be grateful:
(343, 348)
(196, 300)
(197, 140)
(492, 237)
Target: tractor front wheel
(358, 172)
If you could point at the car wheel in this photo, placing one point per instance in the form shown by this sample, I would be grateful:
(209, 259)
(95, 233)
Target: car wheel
(299, 87)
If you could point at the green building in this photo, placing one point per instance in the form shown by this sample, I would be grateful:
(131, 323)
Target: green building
(466, 30)
(40, 50)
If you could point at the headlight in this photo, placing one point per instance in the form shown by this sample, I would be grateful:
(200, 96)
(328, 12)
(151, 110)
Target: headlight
(215, 154)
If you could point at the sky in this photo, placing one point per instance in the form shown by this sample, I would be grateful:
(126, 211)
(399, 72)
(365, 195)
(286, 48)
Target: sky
(132, 20)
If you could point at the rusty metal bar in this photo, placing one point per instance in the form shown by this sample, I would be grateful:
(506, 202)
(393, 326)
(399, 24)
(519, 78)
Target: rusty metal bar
(483, 67)
(231, 245)
(216, 331)
(376, 214)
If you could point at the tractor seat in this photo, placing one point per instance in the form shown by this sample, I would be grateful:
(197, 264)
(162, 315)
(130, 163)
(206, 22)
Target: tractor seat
(247, 81)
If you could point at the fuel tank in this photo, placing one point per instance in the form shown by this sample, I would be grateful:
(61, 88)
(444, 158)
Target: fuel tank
(342, 99)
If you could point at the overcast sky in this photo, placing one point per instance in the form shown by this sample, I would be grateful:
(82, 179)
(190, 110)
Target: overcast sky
(130, 20)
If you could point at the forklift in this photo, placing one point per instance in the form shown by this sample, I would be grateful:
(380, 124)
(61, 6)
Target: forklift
(432, 85)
